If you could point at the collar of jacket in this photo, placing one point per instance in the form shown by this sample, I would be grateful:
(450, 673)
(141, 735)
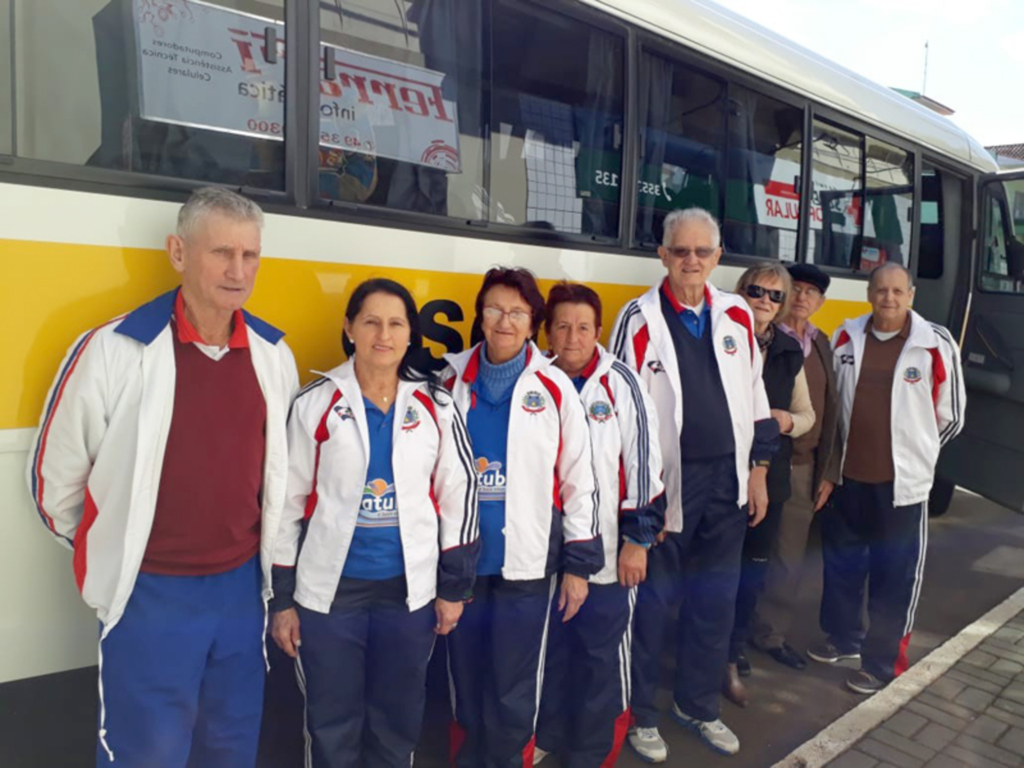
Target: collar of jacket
(921, 332)
(145, 323)
(469, 361)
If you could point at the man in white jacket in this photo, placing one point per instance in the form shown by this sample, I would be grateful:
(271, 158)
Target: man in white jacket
(161, 460)
(901, 398)
(694, 348)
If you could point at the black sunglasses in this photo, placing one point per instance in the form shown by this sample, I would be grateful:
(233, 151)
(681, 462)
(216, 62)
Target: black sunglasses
(756, 292)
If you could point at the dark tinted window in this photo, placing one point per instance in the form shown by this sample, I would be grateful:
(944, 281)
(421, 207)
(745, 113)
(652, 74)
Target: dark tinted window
(199, 95)
(682, 117)
(931, 250)
(556, 126)
(400, 105)
(762, 200)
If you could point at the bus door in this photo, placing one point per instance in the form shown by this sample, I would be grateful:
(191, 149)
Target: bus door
(988, 456)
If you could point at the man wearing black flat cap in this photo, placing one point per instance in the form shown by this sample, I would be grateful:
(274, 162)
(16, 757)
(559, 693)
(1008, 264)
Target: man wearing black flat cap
(816, 458)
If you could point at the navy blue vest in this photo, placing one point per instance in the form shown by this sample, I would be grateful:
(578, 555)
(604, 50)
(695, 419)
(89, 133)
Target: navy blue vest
(707, 425)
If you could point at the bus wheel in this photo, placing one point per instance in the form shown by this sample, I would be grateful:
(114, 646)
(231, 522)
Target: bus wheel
(940, 497)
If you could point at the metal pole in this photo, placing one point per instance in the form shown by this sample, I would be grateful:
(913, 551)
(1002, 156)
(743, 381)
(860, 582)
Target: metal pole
(924, 84)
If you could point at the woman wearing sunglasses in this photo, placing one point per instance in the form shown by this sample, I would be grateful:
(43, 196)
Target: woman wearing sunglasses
(767, 289)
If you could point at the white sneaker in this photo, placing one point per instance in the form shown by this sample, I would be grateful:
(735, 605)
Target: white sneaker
(539, 754)
(714, 733)
(647, 743)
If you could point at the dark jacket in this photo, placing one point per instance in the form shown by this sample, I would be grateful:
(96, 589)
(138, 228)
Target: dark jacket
(782, 364)
(829, 453)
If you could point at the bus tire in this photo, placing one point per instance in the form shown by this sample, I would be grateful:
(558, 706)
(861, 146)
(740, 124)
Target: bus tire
(940, 497)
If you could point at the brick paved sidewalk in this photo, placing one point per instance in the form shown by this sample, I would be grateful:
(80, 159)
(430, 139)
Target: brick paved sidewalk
(972, 715)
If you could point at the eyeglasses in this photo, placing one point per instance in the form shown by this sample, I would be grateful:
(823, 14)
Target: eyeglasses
(515, 316)
(702, 253)
(756, 292)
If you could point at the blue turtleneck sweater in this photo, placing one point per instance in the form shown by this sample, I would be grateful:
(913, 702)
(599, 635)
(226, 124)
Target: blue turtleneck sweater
(488, 429)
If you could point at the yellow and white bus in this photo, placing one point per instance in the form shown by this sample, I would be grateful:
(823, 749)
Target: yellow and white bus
(428, 140)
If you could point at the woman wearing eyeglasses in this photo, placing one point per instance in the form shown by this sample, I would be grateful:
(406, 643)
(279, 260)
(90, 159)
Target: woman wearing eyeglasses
(767, 289)
(538, 516)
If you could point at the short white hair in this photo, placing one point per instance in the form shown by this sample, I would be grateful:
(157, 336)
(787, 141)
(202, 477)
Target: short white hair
(207, 200)
(695, 215)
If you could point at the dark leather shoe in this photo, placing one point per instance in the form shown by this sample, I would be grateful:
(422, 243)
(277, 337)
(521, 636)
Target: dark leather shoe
(733, 688)
(743, 665)
(788, 656)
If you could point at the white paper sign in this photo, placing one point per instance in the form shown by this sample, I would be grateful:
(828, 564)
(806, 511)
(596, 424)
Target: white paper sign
(205, 66)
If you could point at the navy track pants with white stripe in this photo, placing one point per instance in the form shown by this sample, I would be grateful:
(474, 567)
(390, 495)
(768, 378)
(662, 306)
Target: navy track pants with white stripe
(363, 670)
(182, 673)
(869, 543)
(584, 710)
(496, 668)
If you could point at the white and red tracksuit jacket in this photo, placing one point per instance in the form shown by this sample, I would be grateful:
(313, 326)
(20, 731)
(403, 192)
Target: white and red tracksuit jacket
(624, 435)
(642, 340)
(94, 468)
(435, 487)
(928, 399)
(549, 470)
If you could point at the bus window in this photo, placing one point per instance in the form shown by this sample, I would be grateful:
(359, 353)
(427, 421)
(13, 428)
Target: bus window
(5, 78)
(1002, 251)
(838, 200)
(889, 177)
(556, 124)
(762, 199)
(401, 123)
(931, 249)
(682, 113)
(190, 90)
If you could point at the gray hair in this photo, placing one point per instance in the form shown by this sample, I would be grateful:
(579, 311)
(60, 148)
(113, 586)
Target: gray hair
(769, 269)
(207, 200)
(690, 216)
(887, 266)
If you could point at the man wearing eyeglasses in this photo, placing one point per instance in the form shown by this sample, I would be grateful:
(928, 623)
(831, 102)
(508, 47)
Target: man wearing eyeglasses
(694, 347)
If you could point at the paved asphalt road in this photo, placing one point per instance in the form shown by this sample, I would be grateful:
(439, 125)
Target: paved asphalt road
(975, 560)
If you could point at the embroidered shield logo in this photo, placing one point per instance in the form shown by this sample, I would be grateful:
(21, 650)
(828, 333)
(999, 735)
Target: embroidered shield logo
(411, 420)
(912, 375)
(656, 366)
(600, 411)
(729, 345)
(533, 402)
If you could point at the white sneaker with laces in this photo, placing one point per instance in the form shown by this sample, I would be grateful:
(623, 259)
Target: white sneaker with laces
(647, 743)
(539, 754)
(714, 733)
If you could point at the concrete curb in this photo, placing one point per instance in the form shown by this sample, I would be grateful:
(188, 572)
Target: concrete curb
(848, 729)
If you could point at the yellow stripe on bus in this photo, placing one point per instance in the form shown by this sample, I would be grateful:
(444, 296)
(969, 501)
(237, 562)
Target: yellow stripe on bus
(51, 293)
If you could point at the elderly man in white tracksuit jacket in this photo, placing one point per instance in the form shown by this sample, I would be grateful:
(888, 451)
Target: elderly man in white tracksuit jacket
(694, 347)
(901, 398)
(162, 459)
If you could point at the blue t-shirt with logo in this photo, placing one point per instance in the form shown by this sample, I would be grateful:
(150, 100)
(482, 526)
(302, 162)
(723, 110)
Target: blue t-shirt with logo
(376, 549)
(488, 429)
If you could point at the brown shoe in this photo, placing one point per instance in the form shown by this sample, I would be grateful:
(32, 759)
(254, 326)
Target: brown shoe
(733, 688)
